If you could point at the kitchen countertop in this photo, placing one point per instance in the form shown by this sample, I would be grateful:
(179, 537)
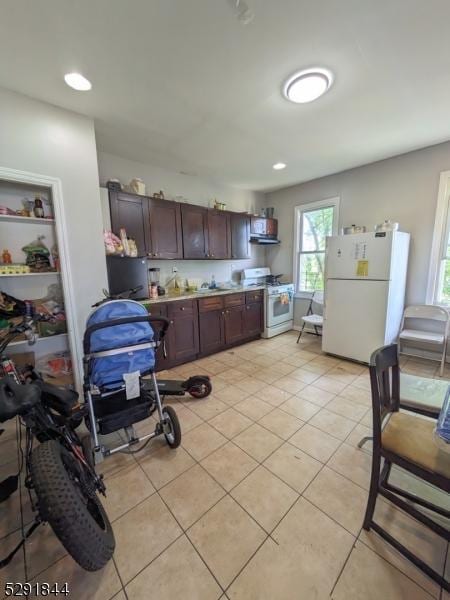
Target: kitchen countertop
(195, 295)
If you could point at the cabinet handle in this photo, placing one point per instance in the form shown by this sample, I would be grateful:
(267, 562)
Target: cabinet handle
(212, 255)
(248, 307)
(171, 322)
(183, 308)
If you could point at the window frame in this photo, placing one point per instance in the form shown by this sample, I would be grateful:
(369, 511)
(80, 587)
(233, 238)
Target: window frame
(333, 202)
(439, 243)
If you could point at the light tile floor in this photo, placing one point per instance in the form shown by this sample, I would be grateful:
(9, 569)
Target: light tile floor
(263, 500)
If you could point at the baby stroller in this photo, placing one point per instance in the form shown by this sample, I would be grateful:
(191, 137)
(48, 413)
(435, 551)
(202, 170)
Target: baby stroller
(119, 351)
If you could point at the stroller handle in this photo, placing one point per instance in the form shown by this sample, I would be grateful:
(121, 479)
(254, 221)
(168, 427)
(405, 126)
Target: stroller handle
(138, 319)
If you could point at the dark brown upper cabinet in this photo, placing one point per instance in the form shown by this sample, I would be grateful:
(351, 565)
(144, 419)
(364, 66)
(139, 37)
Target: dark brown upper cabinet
(240, 235)
(129, 211)
(218, 226)
(194, 228)
(165, 239)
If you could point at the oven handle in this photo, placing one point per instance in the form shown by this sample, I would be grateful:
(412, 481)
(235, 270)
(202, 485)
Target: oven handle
(290, 294)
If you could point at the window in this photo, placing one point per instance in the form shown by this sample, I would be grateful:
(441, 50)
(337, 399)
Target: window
(438, 291)
(313, 223)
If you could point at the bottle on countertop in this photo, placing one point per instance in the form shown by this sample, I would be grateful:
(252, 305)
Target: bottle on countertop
(213, 285)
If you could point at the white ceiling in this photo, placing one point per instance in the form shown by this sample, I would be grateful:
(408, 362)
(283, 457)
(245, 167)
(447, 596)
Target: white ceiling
(183, 85)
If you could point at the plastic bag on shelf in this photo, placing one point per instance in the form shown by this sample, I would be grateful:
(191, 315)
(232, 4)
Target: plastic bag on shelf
(55, 364)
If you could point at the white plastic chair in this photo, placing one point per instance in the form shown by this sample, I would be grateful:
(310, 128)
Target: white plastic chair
(312, 318)
(437, 337)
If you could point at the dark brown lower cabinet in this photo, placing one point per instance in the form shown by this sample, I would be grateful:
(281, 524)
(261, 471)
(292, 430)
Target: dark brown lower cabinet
(253, 319)
(183, 338)
(208, 325)
(212, 334)
(234, 324)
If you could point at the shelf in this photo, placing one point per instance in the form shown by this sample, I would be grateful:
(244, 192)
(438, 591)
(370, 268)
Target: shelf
(38, 339)
(19, 219)
(29, 274)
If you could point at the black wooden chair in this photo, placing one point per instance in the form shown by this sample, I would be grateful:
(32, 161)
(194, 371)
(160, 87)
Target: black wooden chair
(405, 440)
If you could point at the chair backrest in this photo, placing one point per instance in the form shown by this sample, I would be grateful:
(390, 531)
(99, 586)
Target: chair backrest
(426, 311)
(317, 297)
(385, 385)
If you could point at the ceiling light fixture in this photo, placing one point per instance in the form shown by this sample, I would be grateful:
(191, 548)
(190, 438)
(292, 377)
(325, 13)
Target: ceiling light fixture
(77, 82)
(307, 85)
(279, 166)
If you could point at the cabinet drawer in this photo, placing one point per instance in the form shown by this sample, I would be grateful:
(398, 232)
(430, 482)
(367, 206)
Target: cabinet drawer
(157, 310)
(180, 307)
(207, 304)
(234, 299)
(255, 296)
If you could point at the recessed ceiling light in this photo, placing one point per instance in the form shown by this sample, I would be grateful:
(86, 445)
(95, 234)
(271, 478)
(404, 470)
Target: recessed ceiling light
(77, 82)
(307, 85)
(279, 166)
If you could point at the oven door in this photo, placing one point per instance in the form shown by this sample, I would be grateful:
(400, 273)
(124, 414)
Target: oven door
(277, 312)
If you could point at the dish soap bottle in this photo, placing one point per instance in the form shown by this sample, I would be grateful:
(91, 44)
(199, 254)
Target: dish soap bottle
(212, 285)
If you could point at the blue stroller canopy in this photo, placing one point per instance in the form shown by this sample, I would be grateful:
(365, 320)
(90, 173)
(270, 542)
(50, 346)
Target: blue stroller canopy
(107, 370)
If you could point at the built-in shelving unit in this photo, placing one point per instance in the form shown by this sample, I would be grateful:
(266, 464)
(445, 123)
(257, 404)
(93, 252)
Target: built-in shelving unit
(38, 339)
(16, 232)
(26, 220)
(42, 274)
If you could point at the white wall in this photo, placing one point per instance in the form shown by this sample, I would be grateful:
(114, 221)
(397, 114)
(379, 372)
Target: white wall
(196, 191)
(403, 188)
(47, 140)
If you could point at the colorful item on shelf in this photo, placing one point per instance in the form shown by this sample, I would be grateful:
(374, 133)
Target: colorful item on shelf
(27, 208)
(11, 307)
(55, 257)
(55, 364)
(6, 257)
(52, 304)
(38, 208)
(4, 210)
(38, 256)
(14, 269)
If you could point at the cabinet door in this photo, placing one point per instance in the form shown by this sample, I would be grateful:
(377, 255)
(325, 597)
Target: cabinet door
(165, 229)
(240, 236)
(130, 212)
(183, 330)
(234, 324)
(253, 319)
(194, 228)
(211, 329)
(218, 234)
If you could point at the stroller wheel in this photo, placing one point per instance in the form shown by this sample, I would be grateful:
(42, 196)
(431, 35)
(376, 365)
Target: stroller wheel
(173, 436)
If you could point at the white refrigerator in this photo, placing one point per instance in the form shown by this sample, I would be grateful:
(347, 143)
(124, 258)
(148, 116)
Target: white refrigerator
(365, 278)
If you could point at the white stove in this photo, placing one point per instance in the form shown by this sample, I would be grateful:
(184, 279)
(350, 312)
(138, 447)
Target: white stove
(278, 300)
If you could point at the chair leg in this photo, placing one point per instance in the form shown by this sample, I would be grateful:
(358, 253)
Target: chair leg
(444, 352)
(373, 492)
(301, 331)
